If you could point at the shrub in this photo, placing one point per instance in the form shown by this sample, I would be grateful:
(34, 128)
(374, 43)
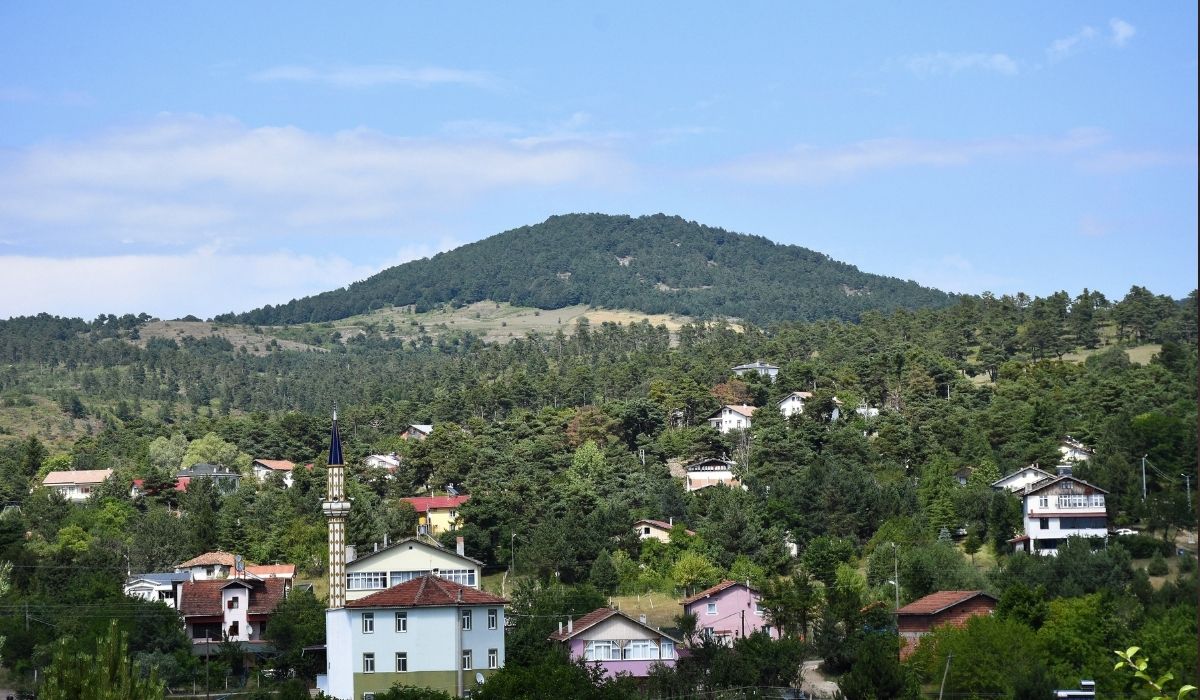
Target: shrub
(1143, 546)
(1158, 565)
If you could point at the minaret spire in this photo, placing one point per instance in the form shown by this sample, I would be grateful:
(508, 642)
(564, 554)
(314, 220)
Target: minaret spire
(336, 508)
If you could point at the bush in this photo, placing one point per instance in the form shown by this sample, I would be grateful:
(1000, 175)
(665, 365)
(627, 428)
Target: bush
(1187, 563)
(1158, 565)
(1143, 546)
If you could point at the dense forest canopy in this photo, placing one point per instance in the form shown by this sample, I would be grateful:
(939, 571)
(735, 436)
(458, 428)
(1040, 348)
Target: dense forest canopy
(653, 264)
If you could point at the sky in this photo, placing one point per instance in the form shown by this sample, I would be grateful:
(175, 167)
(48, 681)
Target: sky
(198, 158)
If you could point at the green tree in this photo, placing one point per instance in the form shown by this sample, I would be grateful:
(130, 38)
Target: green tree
(106, 674)
(298, 621)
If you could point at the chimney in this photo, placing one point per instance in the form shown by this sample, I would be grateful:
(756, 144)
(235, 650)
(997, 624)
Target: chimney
(375, 546)
(642, 619)
(460, 547)
(385, 540)
(560, 626)
(671, 521)
(351, 553)
(570, 626)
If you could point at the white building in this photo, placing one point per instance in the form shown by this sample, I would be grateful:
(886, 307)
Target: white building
(710, 472)
(76, 485)
(406, 560)
(793, 403)
(388, 461)
(161, 587)
(758, 367)
(729, 418)
(1074, 451)
(427, 632)
(210, 565)
(655, 530)
(237, 610)
(1058, 508)
(264, 468)
(1022, 478)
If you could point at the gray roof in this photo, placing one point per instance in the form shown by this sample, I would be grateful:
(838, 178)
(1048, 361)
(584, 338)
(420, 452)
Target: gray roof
(416, 540)
(161, 578)
(209, 470)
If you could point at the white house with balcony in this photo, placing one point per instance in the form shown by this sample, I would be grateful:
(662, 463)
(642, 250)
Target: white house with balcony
(732, 417)
(712, 471)
(76, 485)
(426, 632)
(406, 560)
(758, 367)
(1024, 477)
(1061, 507)
(157, 587)
(793, 403)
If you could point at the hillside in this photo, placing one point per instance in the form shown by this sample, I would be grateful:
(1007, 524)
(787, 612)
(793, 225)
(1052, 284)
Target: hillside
(653, 264)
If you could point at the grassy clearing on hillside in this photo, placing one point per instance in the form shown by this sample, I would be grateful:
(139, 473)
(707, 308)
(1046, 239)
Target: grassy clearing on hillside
(1138, 354)
(256, 341)
(660, 610)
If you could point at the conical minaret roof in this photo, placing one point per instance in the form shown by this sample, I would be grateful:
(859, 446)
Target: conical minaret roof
(335, 443)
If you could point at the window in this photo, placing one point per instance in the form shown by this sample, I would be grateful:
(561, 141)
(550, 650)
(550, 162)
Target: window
(368, 663)
(666, 650)
(601, 650)
(712, 609)
(466, 660)
(401, 661)
(758, 609)
(399, 577)
(466, 620)
(640, 650)
(465, 577)
(366, 580)
(401, 622)
(493, 658)
(646, 530)
(368, 623)
(1043, 501)
(368, 696)
(493, 618)
(208, 630)
(233, 603)
(1044, 523)
(233, 629)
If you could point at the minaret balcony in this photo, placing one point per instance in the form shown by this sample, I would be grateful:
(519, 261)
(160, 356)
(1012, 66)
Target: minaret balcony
(335, 509)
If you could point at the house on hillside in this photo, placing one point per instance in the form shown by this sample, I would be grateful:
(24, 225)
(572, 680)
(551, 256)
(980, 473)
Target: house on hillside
(264, 468)
(710, 472)
(617, 643)
(426, 632)
(389, 462)
(160, 587)
(1018, 480)
(1057, 508)
(210, 565)
(732, 417)
(437, 513)
(728, 611)
(76, 485)
(287, 572)
(406, 560)
(224, 478)
(919, 617)
(758, 367)
(138, 489)
(416, 431)
(236, 610)
(793, 403)
(655, 530)
(1074, 451)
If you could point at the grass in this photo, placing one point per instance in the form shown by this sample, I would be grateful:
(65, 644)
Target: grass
(660, 610)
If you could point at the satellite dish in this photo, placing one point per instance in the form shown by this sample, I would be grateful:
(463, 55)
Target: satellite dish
(451, 490)
(479, 678)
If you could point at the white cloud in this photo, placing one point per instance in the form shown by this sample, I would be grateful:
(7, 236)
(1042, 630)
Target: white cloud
(808, 164)
(954, 272)
(179, 179)
(1121, 161)
(945, 63)
(204, 282)
(1061, 48)
(366, 76)
(1122, 31)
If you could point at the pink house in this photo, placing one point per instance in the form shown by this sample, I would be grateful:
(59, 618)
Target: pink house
(728, 611)
(617, 643)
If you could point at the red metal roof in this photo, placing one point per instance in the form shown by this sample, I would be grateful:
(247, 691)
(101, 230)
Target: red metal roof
(936, 602)
(203, 598)
(423, 504)
(714, 590)
(217, 558)
(271, 569)
(591, 619)
(79, 476)
(427, 591)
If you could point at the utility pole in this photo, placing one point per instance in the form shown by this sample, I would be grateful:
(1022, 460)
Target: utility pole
(944, 674)
(512, 561)
(1143, 477)
(896, 578)
(1187, 487)
(743, 624)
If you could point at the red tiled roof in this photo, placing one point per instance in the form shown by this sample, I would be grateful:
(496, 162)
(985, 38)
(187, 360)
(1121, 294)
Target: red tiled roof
(281, 465)
(80, 476)
(423, 504)
(937, 602)
(713, 591)
(593, 618)
(743, 409)
(181, 483)
(271, 569)
(427, 591)
(217, 558)
(203, 598)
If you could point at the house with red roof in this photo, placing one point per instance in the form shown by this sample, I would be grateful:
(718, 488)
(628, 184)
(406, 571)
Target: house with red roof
(234, 609)
(921, 616)
(264, 468)
(617, 643)
(425, 632)
(729, 610)
(437, 513)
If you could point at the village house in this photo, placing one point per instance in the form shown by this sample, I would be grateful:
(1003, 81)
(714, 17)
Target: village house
(655, 530)
(918, 618)
(793, 403)
(437, 513)
(389, 462)
(426, 632)
(236, 610)
(76, 485)
(1074, 451)
(210, 565)
(138, 488)
(1018, 480)
(224, 478)
(264, 468)
(416, 431)
(758, 367)
(406, 560)
(160, 587)
(617, 643)
(710, 472)
(728, 611)
(732, 417)
(1060, 507)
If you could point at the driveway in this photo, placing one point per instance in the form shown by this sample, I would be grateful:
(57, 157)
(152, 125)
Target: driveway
(813, 682)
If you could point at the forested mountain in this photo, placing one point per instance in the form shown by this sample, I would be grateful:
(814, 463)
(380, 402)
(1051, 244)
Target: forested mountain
(654, 264)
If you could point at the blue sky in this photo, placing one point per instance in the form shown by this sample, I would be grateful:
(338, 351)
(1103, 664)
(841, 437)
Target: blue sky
(206, 157)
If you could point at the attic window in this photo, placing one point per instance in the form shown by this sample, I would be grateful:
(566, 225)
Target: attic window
(233, 603)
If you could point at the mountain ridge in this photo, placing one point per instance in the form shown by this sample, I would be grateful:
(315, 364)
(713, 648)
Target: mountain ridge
(653, 264)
